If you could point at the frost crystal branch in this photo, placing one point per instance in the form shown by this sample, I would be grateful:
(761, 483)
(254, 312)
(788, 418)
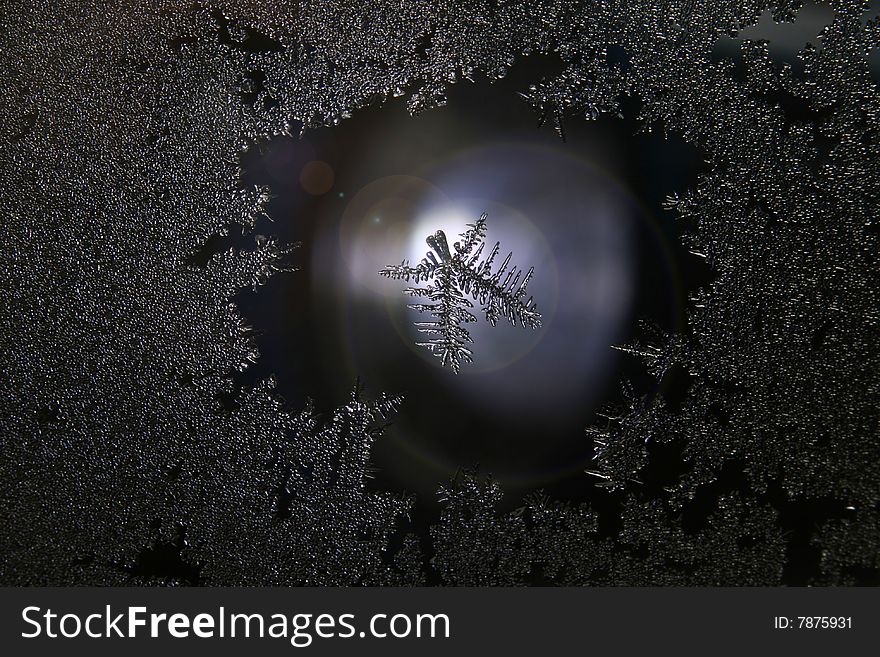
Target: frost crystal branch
(453, 277)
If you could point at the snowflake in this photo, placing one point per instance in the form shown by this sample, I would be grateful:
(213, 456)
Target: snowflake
(454, 276)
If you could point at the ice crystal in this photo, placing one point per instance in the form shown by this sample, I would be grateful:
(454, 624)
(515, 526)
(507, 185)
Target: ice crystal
(127, 431)
(454, 275)
(545, 542)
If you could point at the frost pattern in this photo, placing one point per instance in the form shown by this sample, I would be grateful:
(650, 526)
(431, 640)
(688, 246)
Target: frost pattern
(125, 430)
(554, 543)
(455, 275)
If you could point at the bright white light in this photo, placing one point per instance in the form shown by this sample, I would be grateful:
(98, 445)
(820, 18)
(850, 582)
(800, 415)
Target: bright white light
(451, 220)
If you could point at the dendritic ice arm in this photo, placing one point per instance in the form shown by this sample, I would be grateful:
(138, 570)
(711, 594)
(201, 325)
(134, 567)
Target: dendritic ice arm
(403, 272)
(472, 237)
(475, 277)
(500, 297)
(454, 276)
(449, 307)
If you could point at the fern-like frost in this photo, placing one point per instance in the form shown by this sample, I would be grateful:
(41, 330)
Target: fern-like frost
(452, 277)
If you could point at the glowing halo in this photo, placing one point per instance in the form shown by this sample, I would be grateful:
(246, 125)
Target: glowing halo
(376, 225)
(553, 209)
